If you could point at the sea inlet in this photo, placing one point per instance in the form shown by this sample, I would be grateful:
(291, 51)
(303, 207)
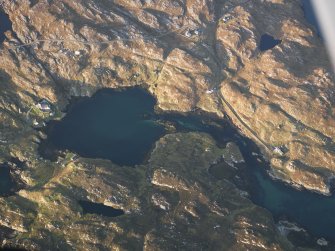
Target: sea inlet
(122, 126)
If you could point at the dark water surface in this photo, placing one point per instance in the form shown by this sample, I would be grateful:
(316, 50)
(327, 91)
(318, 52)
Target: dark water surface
(111, 125)
(101, 209)
(7, 184)
(5, 25)
(268, 42)
(122, 126)
(312, 211)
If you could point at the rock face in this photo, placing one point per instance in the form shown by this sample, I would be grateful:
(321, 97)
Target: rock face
(190, 55)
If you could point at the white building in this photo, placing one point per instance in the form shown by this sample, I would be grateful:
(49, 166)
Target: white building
(44, 106)
(278, 151)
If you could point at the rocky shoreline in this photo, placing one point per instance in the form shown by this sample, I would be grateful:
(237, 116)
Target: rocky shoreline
(191, 55)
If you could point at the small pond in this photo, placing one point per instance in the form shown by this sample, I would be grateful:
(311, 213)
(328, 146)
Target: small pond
(268, 42)
(100, 209)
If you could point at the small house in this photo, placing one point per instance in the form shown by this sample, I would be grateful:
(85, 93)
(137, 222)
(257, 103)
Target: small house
(197, 32)
(35, 122)
(278, 151)
(44, 106)
(188, 33)
(226, 18)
